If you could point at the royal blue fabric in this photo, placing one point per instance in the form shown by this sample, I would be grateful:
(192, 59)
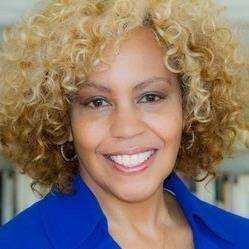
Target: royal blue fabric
(60, 221)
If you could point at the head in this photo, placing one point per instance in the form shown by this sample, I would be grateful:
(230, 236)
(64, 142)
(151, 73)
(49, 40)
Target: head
(129, 115)
(199, 87)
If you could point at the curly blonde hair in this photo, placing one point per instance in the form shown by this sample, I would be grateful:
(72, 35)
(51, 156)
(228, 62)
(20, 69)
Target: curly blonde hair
(48, 55)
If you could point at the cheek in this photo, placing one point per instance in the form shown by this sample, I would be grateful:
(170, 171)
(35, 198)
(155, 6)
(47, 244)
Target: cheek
(87, 133)
(167, 124)
(168, 130)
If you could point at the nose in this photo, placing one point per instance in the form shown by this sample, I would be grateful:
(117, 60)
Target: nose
(126, 123)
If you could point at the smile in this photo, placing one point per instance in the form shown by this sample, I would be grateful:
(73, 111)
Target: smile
(131, 164)
(132, 160)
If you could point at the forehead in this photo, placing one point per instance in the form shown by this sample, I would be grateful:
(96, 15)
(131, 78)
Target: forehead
(139, 60)
(139, 57)
(139, 41)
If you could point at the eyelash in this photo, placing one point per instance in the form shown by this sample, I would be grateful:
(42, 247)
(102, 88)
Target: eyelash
(161, 97)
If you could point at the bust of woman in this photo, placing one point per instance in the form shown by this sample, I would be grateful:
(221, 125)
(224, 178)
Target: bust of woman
(104, 102)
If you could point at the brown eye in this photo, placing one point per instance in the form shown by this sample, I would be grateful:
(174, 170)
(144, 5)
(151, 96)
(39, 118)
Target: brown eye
(152, 97)
(95, 103)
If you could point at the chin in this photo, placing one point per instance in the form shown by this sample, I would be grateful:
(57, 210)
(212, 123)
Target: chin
(134, 193)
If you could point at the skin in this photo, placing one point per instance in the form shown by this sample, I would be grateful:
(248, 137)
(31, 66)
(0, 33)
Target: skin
(127, 118)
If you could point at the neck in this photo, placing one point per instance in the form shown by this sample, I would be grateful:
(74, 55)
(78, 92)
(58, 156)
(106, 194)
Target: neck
(149, 214)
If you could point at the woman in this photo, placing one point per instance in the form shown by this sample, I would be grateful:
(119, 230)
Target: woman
(103, 102)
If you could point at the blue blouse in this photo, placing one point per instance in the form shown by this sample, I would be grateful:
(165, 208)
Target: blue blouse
(60, 221)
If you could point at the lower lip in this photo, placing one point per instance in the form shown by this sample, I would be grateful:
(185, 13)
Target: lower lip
(135, 170)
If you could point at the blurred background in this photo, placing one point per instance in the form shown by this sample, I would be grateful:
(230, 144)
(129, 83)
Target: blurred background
(230, 189)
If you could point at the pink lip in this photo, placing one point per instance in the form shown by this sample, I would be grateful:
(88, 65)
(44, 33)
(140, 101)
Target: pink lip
(130, 151)
(131, 171)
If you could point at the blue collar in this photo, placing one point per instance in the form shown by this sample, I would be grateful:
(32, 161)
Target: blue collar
(73, 220)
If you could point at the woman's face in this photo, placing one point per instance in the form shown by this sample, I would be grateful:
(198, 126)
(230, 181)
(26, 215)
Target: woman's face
(117, 112)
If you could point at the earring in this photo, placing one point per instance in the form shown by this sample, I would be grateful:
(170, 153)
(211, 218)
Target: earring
(191, 141)
(71, 156)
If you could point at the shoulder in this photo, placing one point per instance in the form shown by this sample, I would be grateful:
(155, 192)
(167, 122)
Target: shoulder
(226, 216)
(238, 224)
(231, 226)
(25, 230)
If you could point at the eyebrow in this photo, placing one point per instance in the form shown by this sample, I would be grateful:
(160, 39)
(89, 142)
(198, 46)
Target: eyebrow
(140, 85)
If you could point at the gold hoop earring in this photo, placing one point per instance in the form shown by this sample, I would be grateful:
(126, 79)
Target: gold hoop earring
(191, 141)
(71, 154)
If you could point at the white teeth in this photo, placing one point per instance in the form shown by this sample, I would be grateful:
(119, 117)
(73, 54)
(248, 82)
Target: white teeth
(132, 160)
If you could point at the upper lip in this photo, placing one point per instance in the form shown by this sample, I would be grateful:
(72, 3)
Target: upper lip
(130, 151)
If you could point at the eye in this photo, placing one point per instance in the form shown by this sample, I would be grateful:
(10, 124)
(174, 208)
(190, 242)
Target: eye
(100, 102)
(153, 97)
(95, 103)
